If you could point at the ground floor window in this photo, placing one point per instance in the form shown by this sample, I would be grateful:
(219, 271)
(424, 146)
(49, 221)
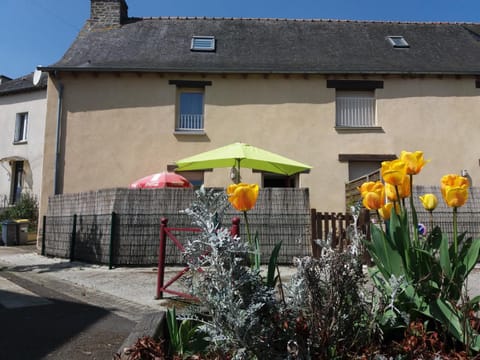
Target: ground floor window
(360, 165)
(357, 169)
(196, 178)
(270, 180)
(17, 181)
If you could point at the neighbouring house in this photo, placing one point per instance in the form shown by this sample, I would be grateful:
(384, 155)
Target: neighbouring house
(22, 124)
(137, 94)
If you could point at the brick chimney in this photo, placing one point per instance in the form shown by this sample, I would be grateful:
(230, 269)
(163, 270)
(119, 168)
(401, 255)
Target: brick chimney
(108, 13)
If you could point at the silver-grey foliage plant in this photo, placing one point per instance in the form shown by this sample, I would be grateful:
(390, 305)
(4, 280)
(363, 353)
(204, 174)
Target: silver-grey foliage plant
(238, 307)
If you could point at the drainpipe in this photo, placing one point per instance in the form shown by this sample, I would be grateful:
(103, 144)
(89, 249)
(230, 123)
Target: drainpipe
(58, 136)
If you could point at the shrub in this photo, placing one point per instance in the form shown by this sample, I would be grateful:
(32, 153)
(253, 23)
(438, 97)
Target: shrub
(25, 208)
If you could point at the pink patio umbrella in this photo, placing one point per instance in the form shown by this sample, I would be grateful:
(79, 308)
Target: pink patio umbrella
(161, 180)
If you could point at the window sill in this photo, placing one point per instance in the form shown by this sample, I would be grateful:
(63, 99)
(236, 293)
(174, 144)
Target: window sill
(20, 142)
(352, 129)
(190, 132)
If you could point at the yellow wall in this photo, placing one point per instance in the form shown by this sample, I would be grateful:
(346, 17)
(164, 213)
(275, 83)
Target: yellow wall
(120, 127)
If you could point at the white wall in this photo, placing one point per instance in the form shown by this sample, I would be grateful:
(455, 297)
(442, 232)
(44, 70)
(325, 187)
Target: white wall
(32, 150)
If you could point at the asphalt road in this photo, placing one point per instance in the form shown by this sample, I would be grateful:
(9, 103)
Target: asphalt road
(40, 323)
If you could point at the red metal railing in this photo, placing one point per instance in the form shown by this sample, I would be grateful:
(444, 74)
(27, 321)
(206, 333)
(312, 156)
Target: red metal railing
(168, 233)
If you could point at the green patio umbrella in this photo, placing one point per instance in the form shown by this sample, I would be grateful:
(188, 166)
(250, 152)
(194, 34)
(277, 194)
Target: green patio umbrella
(240, 155)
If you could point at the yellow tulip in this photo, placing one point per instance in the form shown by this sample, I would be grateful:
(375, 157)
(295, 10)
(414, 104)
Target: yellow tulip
(385, 211)
(429, 201)
(454, 190)
(414, 161)
(242, 196)
(403, 190)
(373, 200)
(393, 172)
(370, 186)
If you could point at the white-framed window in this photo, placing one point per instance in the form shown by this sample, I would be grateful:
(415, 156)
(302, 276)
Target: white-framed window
(190, 106)
(190, 109)
(355, 108)
(21, 127)
(203, 43)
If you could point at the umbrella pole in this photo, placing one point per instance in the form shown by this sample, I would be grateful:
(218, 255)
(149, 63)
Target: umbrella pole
(237, 175)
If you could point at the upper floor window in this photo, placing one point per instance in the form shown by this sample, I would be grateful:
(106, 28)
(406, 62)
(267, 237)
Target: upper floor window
(355, 104)
(21, 126)
(355, 108)
(190, 107)
(190, 113)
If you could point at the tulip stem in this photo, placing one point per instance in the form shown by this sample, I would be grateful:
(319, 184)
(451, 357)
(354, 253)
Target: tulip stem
(387, 230)
(247, 227)
(455, 240)
(431, 220)
(414, 213)
(249, 237)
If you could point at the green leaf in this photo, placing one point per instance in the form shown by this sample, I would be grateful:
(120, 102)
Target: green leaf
(475, 300)
(445, 257)
(173, 329)
(450, 317)
(400, 237)
(387, 258)
(257, 252)
(434, 239)
(453, 319)
(272, 265)
(469, 255)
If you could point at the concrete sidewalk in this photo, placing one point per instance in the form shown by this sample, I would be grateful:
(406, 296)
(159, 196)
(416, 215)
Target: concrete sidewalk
(134, 285)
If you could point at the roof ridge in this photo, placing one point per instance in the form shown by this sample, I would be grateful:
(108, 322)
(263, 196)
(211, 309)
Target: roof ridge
(304, 20)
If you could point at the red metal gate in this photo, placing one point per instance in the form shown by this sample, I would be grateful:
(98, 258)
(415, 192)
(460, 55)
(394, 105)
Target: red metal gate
(167, 233)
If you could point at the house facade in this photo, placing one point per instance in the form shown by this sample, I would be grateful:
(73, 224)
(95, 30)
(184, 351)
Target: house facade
(133, 95)
(22, 124)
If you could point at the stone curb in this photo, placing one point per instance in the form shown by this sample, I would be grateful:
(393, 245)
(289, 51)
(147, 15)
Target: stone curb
(153, 325)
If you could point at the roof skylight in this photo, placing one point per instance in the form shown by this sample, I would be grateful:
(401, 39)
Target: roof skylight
(203, 43)
(398, 41)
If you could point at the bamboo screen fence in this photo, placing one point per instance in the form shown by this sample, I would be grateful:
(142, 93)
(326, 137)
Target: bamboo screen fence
(122, 226)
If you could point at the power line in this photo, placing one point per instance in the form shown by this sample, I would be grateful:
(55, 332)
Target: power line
(52, 12)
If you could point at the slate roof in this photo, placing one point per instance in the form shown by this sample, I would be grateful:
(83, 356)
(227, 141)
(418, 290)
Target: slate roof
(23, 84)
(277, 46)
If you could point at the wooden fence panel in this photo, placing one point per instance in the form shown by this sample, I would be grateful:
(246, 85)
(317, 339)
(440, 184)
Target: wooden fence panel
(333, 228)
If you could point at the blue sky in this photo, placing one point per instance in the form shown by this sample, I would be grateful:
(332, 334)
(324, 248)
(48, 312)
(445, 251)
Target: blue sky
(38, 32)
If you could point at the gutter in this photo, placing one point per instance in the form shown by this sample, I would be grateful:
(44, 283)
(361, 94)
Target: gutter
(258, 71)
(58, 129)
